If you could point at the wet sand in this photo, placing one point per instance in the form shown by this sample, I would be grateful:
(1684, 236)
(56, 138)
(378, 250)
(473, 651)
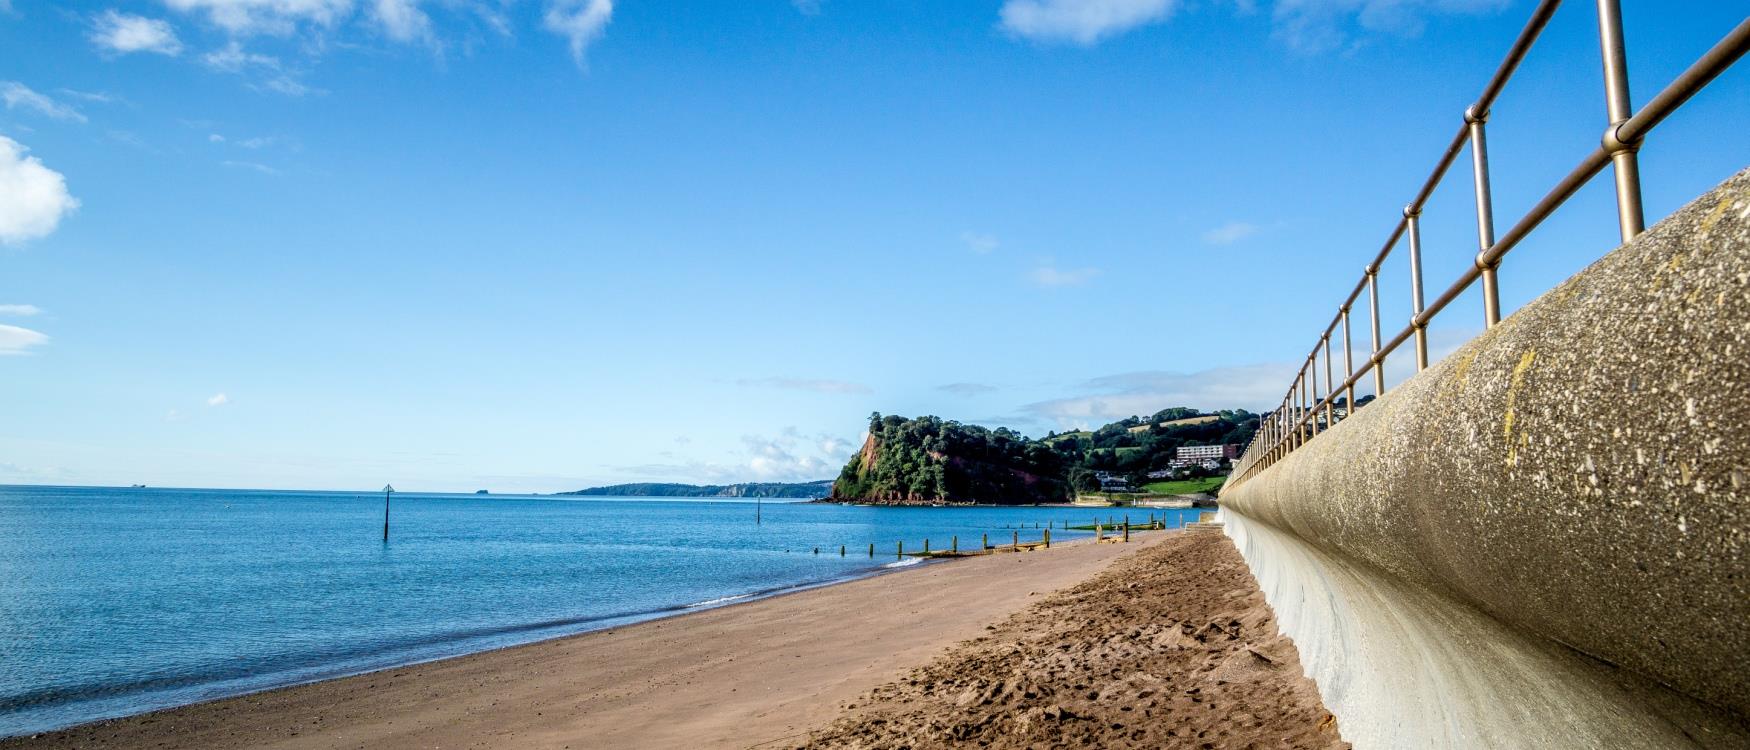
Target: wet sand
(761, 672)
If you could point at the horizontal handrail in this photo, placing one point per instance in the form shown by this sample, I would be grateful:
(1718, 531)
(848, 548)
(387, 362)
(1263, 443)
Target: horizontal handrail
(1297, 418)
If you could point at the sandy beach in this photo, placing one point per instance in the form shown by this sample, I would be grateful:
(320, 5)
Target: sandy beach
(736, 676)
(763, 673)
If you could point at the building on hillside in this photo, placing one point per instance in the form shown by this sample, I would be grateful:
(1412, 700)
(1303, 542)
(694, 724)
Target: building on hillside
(1110, 482)
(1229, 451)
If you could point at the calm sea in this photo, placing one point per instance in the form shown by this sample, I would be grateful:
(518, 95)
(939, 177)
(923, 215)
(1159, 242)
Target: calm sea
(119, 601)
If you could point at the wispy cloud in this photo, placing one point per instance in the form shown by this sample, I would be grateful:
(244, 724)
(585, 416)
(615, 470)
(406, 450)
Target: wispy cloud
(232, 58)
(1081, 22)
(96, 97)
(967, 389)
(581, 22)
(1229, 233)
(19, 96)
(1323, 25)
(273, 17)
(257, 142)
(124, 33)
(15, 340)
(24, 311)
(251, 166)
(815, 385)
(218, 399)
(268, 72)
(1050, 275)
(808, 7)
(1128, 394)
(979, 243)
(1257, 387)
(33, 198)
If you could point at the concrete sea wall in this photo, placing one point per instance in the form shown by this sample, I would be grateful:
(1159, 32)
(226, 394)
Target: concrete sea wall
(1576, 479)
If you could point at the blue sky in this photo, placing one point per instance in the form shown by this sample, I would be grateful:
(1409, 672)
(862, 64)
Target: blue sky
(532, 245)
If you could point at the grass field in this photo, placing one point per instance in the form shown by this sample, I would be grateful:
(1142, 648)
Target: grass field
(1185, 486)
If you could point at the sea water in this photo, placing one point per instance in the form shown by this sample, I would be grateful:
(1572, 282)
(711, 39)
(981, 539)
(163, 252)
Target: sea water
(119, 601)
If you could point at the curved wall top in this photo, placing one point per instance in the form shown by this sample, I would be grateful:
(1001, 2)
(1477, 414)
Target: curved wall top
(1581, 470)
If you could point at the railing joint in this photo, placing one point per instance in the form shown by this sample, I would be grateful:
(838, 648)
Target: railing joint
(1471, 116)
(1613, 142)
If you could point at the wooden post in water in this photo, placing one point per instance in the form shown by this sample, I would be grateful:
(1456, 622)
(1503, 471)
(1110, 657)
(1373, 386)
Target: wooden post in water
(1017, 541)
(871, 550)
(756, 510)
(984, 542)
(817, 550)
(899, 551)
(1048, 537)
(841, 550)
(954, 544)
(1127, 529)
(926, 546)
(388, 489)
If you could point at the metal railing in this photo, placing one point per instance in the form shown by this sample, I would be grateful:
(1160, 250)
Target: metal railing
(1303, 413)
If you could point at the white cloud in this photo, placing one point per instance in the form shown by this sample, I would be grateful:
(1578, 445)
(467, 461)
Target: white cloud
(788, 457)
(124, 33)
(781, 459)
(1323, 25)
(808, 7)
(15, 340)
(1229, 233)
(33, 198)
(276, 17)
(19, 96)
(979, 243)
(1052, 276)
(579, 21)
(218, 399)
(816, 385)
(1080, 21)
(20, 310)
(402, 20)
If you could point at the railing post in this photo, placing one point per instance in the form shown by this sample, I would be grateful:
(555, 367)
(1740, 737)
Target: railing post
(1307, 399)
(1373, 305)
(1627, 170)
(1330, 386)
(1300, 411)
(1312, 399)
(1349, 362)
(1479, 158)
(1413, 222)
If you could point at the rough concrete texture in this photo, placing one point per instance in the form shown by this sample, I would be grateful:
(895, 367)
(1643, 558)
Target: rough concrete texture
(1402, 666)
(1581, 471)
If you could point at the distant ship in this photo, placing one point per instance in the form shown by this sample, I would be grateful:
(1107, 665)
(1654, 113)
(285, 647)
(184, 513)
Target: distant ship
(139, 486)
(481, 492)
